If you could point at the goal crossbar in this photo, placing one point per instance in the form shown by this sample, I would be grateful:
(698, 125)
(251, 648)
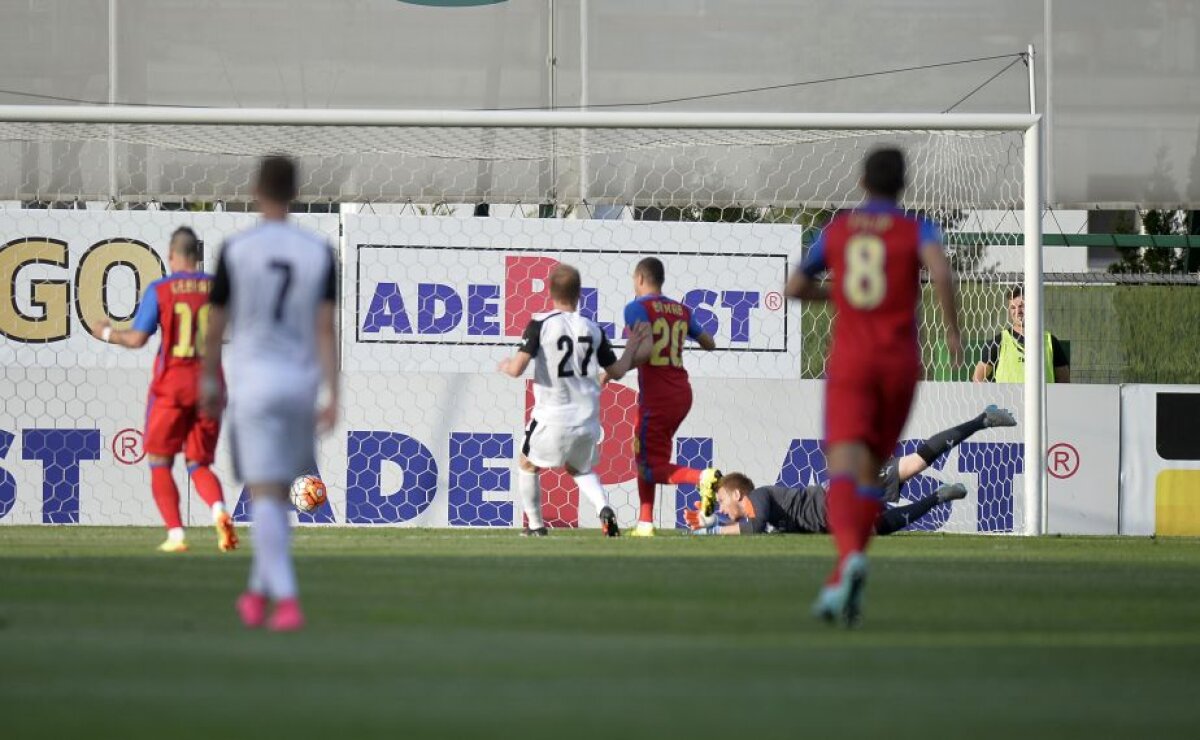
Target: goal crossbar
(1027, 124)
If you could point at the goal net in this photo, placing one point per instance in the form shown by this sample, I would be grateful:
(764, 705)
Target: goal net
(446, 226)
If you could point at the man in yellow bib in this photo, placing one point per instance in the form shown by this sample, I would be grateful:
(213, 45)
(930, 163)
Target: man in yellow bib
(1003, 358)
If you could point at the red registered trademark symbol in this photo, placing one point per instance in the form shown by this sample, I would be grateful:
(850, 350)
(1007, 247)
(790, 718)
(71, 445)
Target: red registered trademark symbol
(127, 447)
(1062, 460)
(773, 301)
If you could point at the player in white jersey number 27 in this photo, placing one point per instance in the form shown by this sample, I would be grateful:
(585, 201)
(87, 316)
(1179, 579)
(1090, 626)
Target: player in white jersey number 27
(568, 352)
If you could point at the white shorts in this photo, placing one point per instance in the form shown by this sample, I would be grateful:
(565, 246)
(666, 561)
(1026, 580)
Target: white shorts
(552, 446)
(272, 434)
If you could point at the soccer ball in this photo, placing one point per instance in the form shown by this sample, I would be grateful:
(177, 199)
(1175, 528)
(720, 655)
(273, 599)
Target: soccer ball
(308, 493)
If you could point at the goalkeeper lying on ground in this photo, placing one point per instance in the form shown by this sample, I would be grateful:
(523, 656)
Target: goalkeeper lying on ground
(753, 510)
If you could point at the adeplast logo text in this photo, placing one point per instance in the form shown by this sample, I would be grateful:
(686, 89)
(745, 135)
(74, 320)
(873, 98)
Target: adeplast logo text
(482, 297)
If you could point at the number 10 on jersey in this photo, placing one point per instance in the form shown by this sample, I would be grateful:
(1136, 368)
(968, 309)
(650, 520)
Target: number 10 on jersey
(192, 327)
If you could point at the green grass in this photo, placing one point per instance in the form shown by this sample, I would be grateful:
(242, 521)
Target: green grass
(418, 633)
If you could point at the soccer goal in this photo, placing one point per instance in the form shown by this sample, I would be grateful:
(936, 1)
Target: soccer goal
(446, 224)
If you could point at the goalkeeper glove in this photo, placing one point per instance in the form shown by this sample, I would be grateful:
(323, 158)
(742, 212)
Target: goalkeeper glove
(697, 520)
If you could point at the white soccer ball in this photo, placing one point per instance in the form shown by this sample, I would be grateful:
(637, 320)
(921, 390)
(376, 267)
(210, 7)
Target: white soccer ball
(308, 493)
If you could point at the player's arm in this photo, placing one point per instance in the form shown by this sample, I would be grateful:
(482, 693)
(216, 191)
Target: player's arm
(615, 367)
(514, 366)
(718, 528)
(327, 349)
(1062, 365)
(212, 390)
(729, 529)
(805, 281)
(983, 371)
(702, 337)
(145, 323)
(131, 338)
(635, 313)
(987, 362)
(745, 525)
(942, 277)
(531, 341)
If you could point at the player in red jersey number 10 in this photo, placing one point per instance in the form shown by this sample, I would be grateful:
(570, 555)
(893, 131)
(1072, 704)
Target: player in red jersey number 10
(179, 304)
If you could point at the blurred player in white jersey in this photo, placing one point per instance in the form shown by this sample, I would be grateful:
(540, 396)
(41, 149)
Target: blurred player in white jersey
(274, 290)
(568, 352)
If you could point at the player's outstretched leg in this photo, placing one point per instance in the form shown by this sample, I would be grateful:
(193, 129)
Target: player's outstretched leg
(899, 517)
(947, 439)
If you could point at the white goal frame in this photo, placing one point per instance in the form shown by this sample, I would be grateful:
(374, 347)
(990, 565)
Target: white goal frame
(1027, 124)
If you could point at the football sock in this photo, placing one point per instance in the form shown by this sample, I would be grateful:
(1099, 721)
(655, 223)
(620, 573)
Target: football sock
(675, 474)
(944, 441)
(166, 495)
(207, 485)
(272, 535)
(899, 517)
(258, 578)
(530, 490)
(842, 517)
(175, 534)
(646, 500)
(590, 486)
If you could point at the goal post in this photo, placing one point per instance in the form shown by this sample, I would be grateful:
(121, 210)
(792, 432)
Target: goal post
(394, 187)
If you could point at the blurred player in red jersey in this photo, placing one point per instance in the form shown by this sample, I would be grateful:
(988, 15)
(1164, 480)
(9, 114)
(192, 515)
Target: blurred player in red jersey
(179, 304)
(664, 393)
(875, 253)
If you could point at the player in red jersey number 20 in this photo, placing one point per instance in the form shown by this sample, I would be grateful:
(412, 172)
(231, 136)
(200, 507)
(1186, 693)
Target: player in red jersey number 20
(874, 253)
(664, 391)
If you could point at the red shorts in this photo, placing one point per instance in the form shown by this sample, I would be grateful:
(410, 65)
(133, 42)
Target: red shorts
(870, 404)
(171, 427)
(655, 432)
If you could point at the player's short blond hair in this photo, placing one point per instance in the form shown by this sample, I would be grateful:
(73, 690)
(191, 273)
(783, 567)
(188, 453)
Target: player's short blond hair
(565, 284)
(737, 482)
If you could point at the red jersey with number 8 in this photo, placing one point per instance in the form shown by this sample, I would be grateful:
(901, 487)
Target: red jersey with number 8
(874, 256)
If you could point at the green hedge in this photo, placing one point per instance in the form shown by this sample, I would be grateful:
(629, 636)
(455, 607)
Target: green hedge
(1113, 333)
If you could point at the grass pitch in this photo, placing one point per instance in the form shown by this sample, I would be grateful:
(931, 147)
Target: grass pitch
(419, 633)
